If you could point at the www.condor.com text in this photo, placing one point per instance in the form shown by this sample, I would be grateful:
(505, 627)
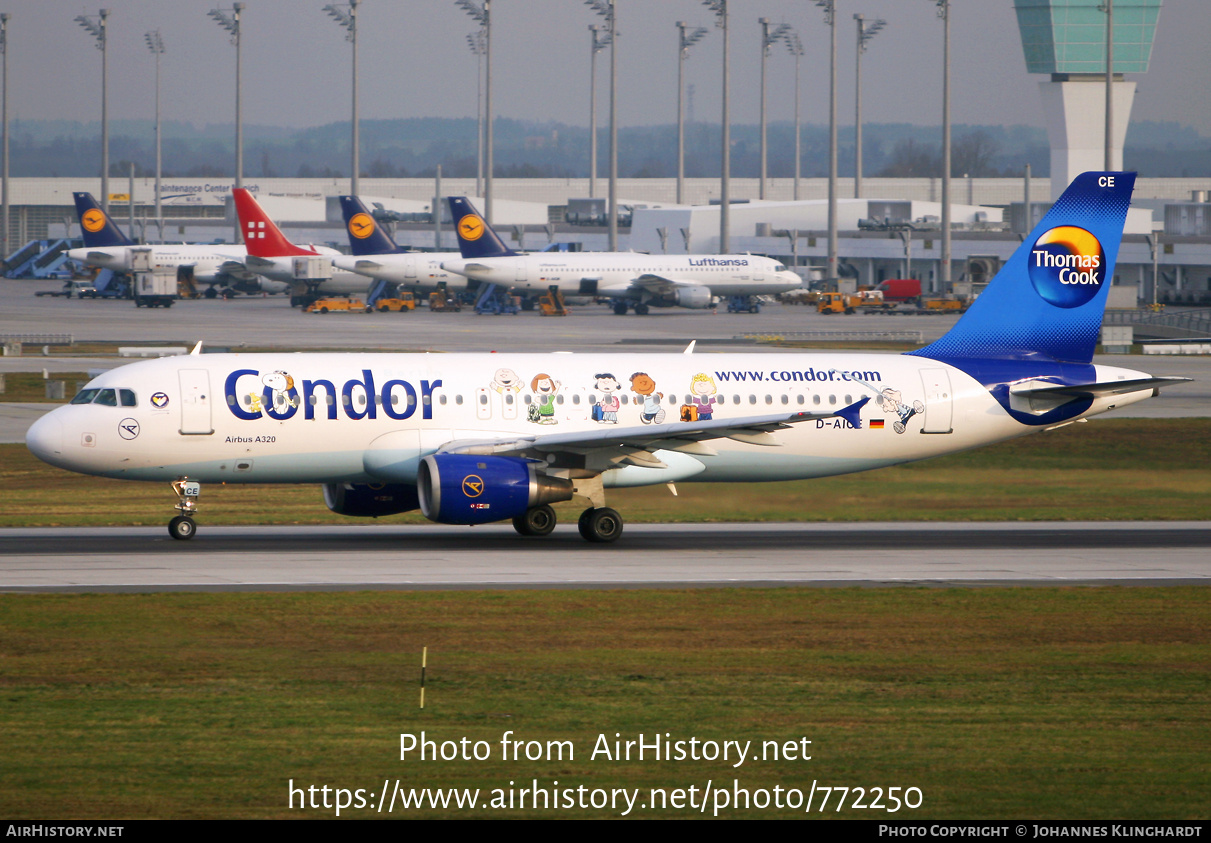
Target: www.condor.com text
(712, 798)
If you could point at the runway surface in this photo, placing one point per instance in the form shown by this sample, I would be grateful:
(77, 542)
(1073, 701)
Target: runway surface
(648, 555)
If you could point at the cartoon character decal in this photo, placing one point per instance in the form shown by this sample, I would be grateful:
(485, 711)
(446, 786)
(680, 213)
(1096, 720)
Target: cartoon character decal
(645, 391)
(605, 411)
(506, 380)
(891, 400)
(702, 404)
(281, 384)
(544, 387)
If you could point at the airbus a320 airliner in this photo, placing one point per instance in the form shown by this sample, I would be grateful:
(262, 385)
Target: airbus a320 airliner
(476, 438)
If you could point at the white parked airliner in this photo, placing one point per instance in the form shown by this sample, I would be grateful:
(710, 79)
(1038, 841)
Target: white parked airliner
(474, 438)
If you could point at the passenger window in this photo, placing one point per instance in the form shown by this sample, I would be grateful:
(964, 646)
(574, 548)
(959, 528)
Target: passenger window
(458, 399)
(107, 398)
(816, 399)
(832, 400)
(624, 398)
(848, 400)
(769, 399)
(800, 399)
(127, 397)
(735, 399)
(786, 399)
(442, 399)
(752, 399)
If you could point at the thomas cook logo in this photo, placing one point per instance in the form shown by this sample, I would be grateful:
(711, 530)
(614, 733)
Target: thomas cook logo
(93, 220)
(1067, 266)
(473, 486)
(361, 225)
(471, 227)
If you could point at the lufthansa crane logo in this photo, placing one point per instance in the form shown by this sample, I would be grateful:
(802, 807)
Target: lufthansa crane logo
(471, 227)
(361, 225)
(93, 220)
(1067, 266)
(473, 486)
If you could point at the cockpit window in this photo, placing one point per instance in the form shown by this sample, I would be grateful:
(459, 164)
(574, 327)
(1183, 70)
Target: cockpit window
(780, 267)
(127, 397)
(107, 398)
(85, 396)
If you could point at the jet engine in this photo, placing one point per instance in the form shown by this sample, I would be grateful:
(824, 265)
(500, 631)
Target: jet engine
(695, 297)
(370, 500)
(465, 489)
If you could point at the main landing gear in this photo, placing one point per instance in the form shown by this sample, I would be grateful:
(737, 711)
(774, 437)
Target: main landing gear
(598, 524)
(183, 527)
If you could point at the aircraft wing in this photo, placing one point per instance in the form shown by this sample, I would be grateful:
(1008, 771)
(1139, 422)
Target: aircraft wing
(235, 269)
(254, 263)
(658, 285)
(612, 447)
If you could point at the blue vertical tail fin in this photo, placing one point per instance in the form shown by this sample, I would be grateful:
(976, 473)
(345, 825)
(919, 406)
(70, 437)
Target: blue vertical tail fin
(476, 239)
(366, 236)
(96, 227)
(1047, 302)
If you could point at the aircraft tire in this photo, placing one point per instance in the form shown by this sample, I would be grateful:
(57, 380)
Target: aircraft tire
(641, 310)
(535, 521)
(620, 309)
(600, 525)
(182, 528)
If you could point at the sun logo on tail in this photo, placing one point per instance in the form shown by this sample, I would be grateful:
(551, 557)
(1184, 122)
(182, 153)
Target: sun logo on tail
(1067, 266)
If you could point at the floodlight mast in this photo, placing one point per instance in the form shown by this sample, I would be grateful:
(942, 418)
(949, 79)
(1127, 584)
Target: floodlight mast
(606, 9)
(866, 31)
(481, 13)
(830, 19)
(944, 264)
(477, 42)
(95, 25)
(768, 39)
(156, 44)
(684, 41)
(719, 7)
(231, 23)
(597, 43)
(346, 16)
(4, 249)
(795, 45)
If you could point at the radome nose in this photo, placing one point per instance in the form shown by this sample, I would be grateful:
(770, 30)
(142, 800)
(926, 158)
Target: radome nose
(45, 438)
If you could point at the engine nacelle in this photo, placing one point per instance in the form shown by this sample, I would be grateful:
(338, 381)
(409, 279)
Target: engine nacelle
(695, 297)
(370, 500)
(465, 489)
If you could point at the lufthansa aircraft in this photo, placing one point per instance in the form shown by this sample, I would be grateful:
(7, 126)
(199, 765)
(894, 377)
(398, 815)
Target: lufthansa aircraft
(376, 255)
(475, 438)
(629, 279)
(106, 247)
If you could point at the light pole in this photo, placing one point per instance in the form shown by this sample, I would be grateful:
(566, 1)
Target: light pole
(768, 39)
(95, 26)
(865, 33)
(481, 13)
(1108, 7)
(830, 18)
(597, 43)
(4, 143)
(795, 45)
(477, 42)
(346, 16)
(944, 268)
(606, 9)
(232, 24)
(719, 7)
(684, 42)
(156, 45)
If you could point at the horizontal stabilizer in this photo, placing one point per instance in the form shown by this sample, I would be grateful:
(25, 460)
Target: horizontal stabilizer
(1031, 397)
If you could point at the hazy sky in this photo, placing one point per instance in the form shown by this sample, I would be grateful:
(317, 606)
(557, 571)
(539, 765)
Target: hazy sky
(414, 62)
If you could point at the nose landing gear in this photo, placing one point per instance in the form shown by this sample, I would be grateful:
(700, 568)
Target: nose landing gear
(182, 527)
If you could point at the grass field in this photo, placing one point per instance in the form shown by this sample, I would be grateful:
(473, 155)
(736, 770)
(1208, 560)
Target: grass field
(996, 703)
(1065, 703)
(1115, 469)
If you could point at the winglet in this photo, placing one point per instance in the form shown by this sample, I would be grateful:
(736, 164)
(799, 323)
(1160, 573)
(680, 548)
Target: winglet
(689, 349)
(852, 413)
(197, 349)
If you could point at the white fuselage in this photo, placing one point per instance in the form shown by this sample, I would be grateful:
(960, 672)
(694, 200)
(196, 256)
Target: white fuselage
(367, 418)
(415, 270)
(207, 261)
(334, 281)
(616, 273)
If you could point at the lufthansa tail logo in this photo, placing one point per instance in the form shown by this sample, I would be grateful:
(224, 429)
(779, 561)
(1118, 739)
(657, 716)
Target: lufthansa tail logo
(93, 220)
(471, 227)
(473, 486)
(361, 225)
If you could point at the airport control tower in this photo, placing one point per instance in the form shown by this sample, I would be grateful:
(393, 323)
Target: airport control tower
(1067, 39)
